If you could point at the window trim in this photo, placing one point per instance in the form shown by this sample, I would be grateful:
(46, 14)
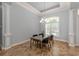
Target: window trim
(50, 27)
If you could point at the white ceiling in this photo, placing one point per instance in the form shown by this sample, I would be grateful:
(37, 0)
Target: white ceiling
(44, 6)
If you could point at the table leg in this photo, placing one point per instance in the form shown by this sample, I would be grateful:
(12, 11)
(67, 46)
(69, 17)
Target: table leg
(31, 43)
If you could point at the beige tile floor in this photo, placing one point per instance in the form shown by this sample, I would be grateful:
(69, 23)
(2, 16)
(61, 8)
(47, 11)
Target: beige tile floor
(58, 49)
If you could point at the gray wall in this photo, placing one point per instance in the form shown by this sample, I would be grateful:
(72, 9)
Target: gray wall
(74, 5)
(64, 23)
(23, 24)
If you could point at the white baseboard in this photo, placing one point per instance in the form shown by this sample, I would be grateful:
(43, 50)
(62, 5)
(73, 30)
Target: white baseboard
(28, 40)
(15, 44)
(71, 45)
(59, 39)
(76, 44)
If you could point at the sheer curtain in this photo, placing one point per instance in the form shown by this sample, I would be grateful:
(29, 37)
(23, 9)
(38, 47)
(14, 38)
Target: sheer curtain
(51, 25)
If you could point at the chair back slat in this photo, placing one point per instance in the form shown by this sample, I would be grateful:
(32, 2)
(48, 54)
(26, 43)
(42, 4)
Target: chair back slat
(35, 35)
(41, 34)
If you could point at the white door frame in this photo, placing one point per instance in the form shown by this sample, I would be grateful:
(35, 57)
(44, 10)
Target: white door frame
(6, 31)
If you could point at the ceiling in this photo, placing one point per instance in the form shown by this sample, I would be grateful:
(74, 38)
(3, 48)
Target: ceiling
(44, 6)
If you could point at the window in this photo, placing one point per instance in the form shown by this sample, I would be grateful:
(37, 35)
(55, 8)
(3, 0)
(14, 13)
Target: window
(52, 26)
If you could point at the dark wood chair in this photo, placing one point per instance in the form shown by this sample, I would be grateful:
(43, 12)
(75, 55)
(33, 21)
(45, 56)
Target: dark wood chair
(41, 34)
(34, 42)
(35, 35)
(48, 41)
(47, 44)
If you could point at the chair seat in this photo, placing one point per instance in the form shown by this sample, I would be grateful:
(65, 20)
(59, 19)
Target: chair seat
(45, 40)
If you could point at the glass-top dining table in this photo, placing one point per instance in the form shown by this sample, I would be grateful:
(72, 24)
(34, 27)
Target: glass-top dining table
(40, 41)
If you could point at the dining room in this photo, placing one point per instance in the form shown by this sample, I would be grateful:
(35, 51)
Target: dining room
(39, 28)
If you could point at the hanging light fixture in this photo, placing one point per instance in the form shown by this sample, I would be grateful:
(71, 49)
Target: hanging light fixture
(43, 20)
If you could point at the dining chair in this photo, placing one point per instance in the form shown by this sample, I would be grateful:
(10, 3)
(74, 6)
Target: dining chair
(41, 34)
(35, 35)
(48, 41)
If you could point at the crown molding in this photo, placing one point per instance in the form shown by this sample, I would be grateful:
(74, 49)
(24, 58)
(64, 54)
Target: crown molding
(29, 8)
(63, 6)
(53, 7)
